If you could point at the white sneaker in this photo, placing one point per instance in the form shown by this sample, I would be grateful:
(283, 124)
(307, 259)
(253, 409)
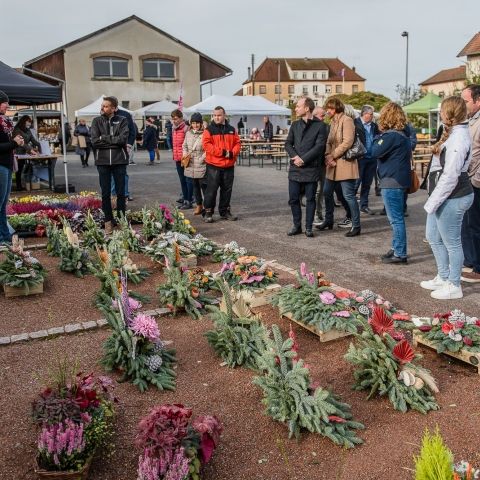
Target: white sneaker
(434, 284)
(467, 270)
(448, 292)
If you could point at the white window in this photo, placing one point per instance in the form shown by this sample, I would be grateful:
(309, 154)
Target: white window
(324, 75)
(304, 75)
(354, 88)
(338, 89)
(315, 89)
(104, 67)
(295, 75)
(314, 75)
(158, 68)
(328, 89)
(305, 89)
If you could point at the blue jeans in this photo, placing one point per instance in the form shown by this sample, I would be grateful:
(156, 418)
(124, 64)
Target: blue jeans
(393, 201)
(444, 236)
(151, 154)
(367, 168)
(183, 181)
(348, 190)
(5, 186)
(471, 233)
(294, 192)
(127, 193)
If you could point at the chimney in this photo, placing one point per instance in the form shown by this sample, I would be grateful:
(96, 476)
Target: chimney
(353, 68)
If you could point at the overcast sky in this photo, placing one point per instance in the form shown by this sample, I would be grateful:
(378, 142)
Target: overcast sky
(363, 33)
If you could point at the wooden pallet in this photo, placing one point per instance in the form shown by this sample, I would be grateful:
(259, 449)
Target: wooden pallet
(259, 297)
(463, 355)
(323, 336)
(22, 292)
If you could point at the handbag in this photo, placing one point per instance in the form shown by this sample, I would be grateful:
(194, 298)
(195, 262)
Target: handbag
(357, 150)
(186, 159)
(415, 183)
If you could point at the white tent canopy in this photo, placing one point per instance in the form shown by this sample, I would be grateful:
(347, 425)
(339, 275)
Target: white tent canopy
(164, 107)
(237, 105)
(93, 110)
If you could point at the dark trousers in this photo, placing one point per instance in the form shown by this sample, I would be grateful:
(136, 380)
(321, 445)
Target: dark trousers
(294, 192)
(367, 169)
(216, 178)
(197, 186)
(339, 193)
(18, 173)
(84, 158)
(471, 233)
(348, 190)
(105, 173)
(182, 178)
(319, 198)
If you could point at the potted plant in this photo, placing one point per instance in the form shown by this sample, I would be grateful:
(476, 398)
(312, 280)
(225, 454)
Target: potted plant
(175, 446)
(74, 415)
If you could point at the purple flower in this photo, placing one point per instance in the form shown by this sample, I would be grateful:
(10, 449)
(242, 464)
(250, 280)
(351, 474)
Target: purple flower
(253, 278)
(145, 326)
(328, 298)
(303, 269)
(310, 278)
(227, 266)
(341, 313)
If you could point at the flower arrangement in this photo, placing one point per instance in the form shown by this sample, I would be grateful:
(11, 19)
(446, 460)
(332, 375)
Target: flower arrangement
(202, 246)
(229, 253)
(386, 365)
(313, 303)
(238, 337)
(365, 301)
(54, 235)
(74, 258)
(156, 220)
(175, 446)
(291, 398)
(130, 237)
(452, 332)
(135, 346)
(164, 245)
(180, 223)
(93, 235)
(20, 269)
(74, 417)
(202, 279)
(248, 272)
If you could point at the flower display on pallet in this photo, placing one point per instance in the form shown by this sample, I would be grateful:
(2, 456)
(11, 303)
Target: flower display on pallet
(135, 346)
(452, 332)
(92, 235)
(20, 269)
(179, 293)
(385, 364)
(202, 279)
(165, 243)
(365, 301)
(291, 398)
(248, 272)
(74, 416)
(73, 257)
(229, 253)
(175, 446)
(313, 303)
(238, 337)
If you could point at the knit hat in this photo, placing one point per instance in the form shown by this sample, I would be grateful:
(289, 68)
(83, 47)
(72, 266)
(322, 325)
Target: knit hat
(196, 117)
(3, 97)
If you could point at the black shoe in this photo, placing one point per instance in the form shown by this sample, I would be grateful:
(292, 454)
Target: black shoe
(389, 254)
(394, 259)
(186, 206)
(309, 233)
(180, 201)
(294, 231)
(228, 216)
(208, 218)
(353, 232)
(367, 210)
(345, 223)
(324, 225)
(383, 212)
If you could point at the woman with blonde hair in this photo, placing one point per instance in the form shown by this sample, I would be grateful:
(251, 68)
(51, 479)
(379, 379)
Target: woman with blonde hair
(450, 196)
(339, 169)
(393, 153)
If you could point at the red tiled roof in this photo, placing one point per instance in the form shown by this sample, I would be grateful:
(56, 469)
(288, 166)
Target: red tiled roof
(472, 47)
(448, 75)
(267, 71)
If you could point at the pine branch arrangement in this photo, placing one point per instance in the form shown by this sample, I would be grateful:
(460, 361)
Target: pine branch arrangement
(317, 305)
(74, 259)
(229, 253)
(180, 223)
(248, 272)
(290, 398)
(155, 221)
(93, 235)
(452, 332)
(238, 338)
(385, 364)
(135, 347)
(130, 237)
(54, 235)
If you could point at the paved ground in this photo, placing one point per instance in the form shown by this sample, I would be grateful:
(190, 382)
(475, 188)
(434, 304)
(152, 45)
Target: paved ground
(260, 200)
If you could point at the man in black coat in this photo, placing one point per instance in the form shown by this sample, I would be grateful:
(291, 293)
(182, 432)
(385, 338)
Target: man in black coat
(367, 130)
(305, 145)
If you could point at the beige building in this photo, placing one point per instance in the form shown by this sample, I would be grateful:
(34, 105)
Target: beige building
(132, 60)
(452, 80)
(282, 80)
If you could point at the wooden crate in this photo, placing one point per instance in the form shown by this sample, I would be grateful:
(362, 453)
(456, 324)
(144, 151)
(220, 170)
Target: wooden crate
(259, 297)
(464, 355)
(323, 336)
(189, 261)
(21, 292)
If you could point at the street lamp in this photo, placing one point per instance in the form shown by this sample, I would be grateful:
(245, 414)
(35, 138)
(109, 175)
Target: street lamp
(405, 34)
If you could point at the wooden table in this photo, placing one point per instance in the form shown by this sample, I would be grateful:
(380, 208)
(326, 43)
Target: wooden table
(51, 161)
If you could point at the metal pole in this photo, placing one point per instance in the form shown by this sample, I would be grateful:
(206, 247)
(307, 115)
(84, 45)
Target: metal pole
(64, 143)
(405, 34)
(278, 99)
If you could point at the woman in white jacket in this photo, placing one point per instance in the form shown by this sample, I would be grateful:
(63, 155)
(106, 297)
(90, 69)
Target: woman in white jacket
(450, 196)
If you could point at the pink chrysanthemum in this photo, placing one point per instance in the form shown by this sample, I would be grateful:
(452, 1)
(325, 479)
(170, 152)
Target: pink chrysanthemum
(341, 313)
(328, 298)
(145, 326)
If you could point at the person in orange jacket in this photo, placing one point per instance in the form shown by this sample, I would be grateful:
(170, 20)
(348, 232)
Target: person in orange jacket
(222, 146)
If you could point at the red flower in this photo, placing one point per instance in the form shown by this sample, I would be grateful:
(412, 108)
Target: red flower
(334, 418)
(443, 316)
(446, 327)
(40, 230)
(342, 294)
(425, 328)
(403, 352)
(401, 316)
(380, 322)
(467, 341)
(397, 335)
(477, 323)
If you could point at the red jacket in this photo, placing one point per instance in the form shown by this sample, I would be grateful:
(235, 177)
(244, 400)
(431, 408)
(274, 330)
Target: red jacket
(217, 141)
(178, 138)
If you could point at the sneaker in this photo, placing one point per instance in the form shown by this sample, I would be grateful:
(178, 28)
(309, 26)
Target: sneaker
(180, 201)
(186, 206)
(434, 284)
(228, 216)
(132, 163)
(395, 260)
(448, 292)
(208, 218)
(389, 254)
(467, 270)
(345, 223)
(471, 277)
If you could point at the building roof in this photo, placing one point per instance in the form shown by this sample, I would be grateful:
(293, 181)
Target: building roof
(239, 93)
(267, 71)
(448, 75)
(119, 23)
(472, 47)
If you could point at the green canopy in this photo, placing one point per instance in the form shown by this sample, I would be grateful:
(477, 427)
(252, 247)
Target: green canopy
(429, 102)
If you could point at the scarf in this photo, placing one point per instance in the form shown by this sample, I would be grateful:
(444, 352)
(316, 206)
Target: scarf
(6, 125)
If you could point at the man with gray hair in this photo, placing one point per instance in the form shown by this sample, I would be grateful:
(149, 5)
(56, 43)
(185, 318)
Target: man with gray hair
(366, 130)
